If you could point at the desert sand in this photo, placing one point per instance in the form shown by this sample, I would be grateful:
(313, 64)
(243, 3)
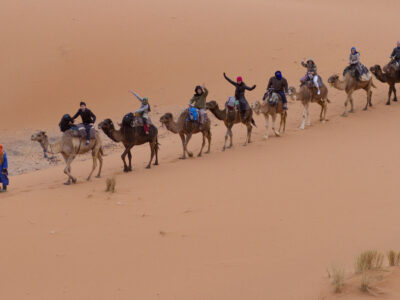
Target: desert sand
(258, 222)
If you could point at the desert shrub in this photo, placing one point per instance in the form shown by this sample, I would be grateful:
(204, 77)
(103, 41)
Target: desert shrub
(368, 260)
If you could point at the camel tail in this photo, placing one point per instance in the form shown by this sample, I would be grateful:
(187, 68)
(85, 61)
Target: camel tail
(253, 122)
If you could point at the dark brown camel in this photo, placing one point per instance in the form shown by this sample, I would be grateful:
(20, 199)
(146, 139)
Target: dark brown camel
(132, 136)
(186, 129)
(230, 118)
(390, 76)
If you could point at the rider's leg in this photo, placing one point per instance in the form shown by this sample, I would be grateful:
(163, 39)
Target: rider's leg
(284, 99)
(315, 79)
(87, 128)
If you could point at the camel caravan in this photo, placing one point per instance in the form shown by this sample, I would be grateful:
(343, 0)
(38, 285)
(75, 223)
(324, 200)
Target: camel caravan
(136, 128)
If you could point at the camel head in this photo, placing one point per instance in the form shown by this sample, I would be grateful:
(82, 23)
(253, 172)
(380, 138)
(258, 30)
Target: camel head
(256, 106)
(212, 105)
(292, 92)
(166, 119)
(107, 125)
(40, 137)
(333, 79)
(375, 69)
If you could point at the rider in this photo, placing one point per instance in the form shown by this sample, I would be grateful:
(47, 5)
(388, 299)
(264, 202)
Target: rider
(395, 56)
(354, 62)
(311, 73)
(88, 119)
(278, 84)
(3, 169)
(199, 101)
(143, 111)
(241, 87)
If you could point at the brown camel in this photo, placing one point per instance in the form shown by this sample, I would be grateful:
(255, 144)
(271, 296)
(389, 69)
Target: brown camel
(390, 76)
(186, 129)
(271, 110)
(132, 136)
(307, 96)
(349, 85)
(70, 146)
(230, 118)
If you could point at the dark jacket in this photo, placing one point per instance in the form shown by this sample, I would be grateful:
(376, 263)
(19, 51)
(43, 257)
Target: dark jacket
(87, 116)
(240, 88)
(396, 53)
(278, 85)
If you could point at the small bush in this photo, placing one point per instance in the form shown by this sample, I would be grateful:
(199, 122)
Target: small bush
(337, 275)
(365, 283)
(368, 260)
(397, 262)
(392, 258)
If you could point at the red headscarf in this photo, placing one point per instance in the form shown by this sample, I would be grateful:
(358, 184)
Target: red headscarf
(239, 79)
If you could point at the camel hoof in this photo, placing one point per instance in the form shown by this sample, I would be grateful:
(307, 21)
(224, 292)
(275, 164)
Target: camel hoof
(223, 149)
(245, 144)
(98, 176)
(126, 170)
(388, 103)
(73, 180)
(323, 121)
(182, 157)
(365, 108)
(277, 133)
(207, 152)
(88, 179)
(199, 155)
(302, 127)
(395, 99)
(148, 167)
(344, 115)
(352, 111)
(67, 183)
(265, 137)
(156, 164)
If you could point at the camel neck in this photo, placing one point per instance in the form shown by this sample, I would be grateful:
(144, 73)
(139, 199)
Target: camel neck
(219, 114)
(172, 126)
(115, 135)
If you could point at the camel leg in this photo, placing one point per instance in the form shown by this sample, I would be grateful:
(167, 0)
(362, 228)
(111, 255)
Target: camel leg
(183, 145)
(249, 128)
(152, 152)
(390, 94)
(303, 121)
(188, 137)
(202, 144)
(273, 125)
(266, 125)
(156, 148)
(67, 170)
(395, 94)
(209, 141)
(283, 118)
(345, 106)
(94, 165)
(351, 103)
(100, 158)
(370, 97)
(123, 157)
(130, 159)
(230, 137)
(366, 105)
(308, 122)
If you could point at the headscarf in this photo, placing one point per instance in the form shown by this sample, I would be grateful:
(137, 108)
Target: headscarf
(198, 88)
(278, 75)
(239, 78)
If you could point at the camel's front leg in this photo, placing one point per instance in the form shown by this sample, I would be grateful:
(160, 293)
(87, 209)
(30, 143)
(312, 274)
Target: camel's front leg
(345, 106)
(152, 152)
(209, 141)
(100, 158)
(202, 144)
(370, 97)
(123, 157)
(308, 121)
(230, 137)
(67, 170)
(182, 136)
(389, 94)
(266, 116)
(273, 125)
(226, 138)
(351, 104)
(395, 94)
(130, 159)
(94, 165)
(188, 137)
(303, 119)
(248, 137)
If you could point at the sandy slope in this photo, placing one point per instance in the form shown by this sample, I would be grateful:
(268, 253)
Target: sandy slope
(261, 222)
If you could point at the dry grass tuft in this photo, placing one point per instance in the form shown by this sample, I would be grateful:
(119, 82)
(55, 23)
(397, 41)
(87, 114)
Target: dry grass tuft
(365, 283)
(369, 260)
(397, 262)
(392, 258)
(337, 276)
(110, 184)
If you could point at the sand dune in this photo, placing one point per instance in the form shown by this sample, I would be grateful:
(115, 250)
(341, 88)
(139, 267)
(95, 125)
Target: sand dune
(256, 222)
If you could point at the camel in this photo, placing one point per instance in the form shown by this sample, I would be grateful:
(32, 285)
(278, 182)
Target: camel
(389, 76)
(70, 146)
(131, 136)
(349, 85)
(268, 110)
(230, 118)
(307, 96)
(186, 129)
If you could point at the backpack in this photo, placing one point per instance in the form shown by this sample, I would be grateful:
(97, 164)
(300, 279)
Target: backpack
(193, 114)
(127, 120)
(65, 123)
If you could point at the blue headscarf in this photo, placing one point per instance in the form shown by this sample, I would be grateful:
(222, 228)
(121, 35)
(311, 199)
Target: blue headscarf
(353, 48)
(278, 75)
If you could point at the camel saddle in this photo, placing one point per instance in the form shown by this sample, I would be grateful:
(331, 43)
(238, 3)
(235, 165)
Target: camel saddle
(80, 131)
(232, 104)
(363, 73)
(272, 97)
(130, 120)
